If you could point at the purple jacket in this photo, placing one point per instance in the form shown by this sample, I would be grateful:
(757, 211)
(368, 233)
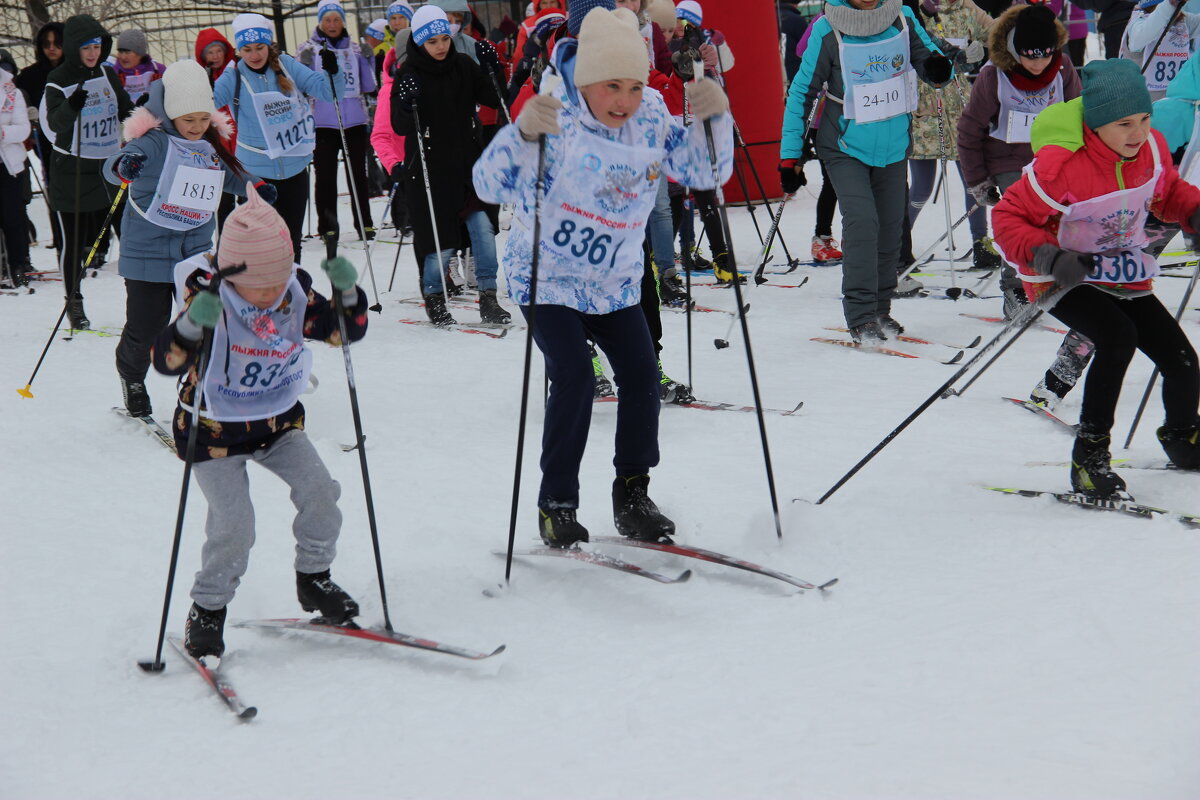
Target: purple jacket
(354, 109)
(1077, 26)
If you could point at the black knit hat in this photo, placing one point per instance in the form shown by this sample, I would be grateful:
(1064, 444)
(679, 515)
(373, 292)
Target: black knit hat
(1034, 35)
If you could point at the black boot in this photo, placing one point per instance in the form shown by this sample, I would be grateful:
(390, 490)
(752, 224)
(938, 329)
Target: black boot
(672, 391)
(204, 632)
(1182, 445)
(869, 334)
(888, 325)
(983, 257)
(435, 307)
(317, 592)
(490, 310)
(559, 528)
(635, 514)
(671, 292)
(137, 400)
(1091, 466)
(78, 319)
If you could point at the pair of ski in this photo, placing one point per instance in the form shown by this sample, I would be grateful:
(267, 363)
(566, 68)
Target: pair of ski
(705, 405)
(479, 328)
(1003, 321)
(224, 689)
(595, 558)
(891, 351)
(1122, 503)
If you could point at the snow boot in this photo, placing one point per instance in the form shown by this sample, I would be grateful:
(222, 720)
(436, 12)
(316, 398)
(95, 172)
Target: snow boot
(825, 248)
(671, 391)
(1182, 445)
(869, 334)
(78, 319)
(1091, 466)
(204, 632)
(435, 307)
(317, 592)
(137, 400)
(983, 256)
(889, 325)
(722, 271)
(604, 387)
(490, 310)
(635, 514)
(559, 528)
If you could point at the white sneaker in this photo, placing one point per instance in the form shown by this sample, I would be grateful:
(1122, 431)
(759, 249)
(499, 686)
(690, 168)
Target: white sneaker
(452, 271)
(469, 271)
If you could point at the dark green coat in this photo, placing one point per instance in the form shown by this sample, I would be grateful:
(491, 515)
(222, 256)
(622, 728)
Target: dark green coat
(95, 193)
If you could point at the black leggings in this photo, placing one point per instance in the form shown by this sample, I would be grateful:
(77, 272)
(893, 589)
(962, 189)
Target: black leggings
(1118, 327)
(292, 204)
(826, 205)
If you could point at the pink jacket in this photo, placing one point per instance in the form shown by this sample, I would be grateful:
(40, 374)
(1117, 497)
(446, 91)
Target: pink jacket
(388, 144)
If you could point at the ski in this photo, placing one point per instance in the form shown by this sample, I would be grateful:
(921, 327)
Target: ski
(710, 556)
(1124, 505)
(681, 309)
(217, 681)
(1123, 463)
(887, 351)
(1041, 412)
(459, 328)
(599, 560)
(705, 405)
(914, 340)
(381, 635)
(152, 427)
(1002, 320)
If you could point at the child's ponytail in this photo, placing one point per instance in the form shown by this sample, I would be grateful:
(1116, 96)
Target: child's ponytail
(285, 85)
(224, 153)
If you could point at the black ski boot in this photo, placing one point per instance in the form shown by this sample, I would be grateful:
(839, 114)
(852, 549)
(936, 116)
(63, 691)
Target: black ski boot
(317, 592)
(78, 319)
(204, 632)
(672, 391)
(984, 257)
(889, 325)
(671, 291)
(1091, 466)
(1182, 445)
(635, 514)
(869, 334)
(435, 307)
(137, 401)
(490, 310)
(559, 528)
(604, 387)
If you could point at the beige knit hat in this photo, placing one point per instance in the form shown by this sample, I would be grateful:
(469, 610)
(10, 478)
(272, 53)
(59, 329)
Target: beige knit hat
(186, 90)
(255, 235)
(611, 47)
(663, 12)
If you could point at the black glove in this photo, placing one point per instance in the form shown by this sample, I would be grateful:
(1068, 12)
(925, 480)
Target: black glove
(938, 70)
(141, 101)
(397, 173)
(78, 98)
(267, 192)
(489, 59)
(791, 175)
(405, 91)
(684, 61)
(329, 62)
(1067, 267)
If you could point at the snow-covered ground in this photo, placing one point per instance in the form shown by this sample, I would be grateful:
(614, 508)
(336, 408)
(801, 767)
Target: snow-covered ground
(976, 646)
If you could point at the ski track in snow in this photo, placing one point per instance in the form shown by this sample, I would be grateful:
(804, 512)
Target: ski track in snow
(977, 645)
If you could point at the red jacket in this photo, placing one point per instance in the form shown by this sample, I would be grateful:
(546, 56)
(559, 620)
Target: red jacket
(1022, 221)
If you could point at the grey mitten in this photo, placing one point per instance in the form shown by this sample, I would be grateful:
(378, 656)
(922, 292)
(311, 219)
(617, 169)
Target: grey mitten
(975, 52)
(1067, 267)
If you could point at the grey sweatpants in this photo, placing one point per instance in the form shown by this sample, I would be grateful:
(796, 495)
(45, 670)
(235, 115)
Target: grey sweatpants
(873, 209)
(230, 525)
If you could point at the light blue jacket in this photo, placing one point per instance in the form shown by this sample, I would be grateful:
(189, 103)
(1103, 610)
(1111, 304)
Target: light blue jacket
(507, 173)
(150, 252)
(1175, 114)
(314, 83)
(874, 143)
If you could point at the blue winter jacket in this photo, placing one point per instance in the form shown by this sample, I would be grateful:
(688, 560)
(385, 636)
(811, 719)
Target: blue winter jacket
(150, 252)
(874, 143)
(312, 82)
(1175, 114)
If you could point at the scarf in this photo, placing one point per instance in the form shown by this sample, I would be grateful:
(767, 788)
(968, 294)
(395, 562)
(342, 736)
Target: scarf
(856, 22)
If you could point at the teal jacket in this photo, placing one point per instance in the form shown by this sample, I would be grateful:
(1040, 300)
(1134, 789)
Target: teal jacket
(1175, 114)
(876, 144)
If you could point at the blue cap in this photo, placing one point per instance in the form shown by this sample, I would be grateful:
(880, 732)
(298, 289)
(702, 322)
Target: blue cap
(578, 9)
(399, 7)
(327, 7)
(96, 40)
(252, 29)
(429, 21)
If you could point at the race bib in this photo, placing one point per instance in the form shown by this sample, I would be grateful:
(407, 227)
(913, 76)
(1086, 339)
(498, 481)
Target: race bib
(197, 188)
(1125, 266)
(348, 64)
(1020, 123)
(1162, 69)
(882, 100)
(287, 124)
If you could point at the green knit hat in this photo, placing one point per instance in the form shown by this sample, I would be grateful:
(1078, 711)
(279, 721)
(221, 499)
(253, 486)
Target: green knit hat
(1113, 89)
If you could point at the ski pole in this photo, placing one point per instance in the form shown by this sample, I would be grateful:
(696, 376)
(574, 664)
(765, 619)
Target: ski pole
(766, 254)
(437, 242)
(919, 259)
(396, 261)
(550, 81)
(27, 391)
(953, 292)
(354, 202)
(500, 95)
(737, 291)
(189, 460)
(1154, 375)
(360, 441)
(1023, 321)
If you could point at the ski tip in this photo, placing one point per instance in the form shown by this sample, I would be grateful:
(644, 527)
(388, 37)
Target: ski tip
(496, 652)
(828, 584)
(975, 342)
(684, 577)
(955, 359)
(248, 714)
(152, 666)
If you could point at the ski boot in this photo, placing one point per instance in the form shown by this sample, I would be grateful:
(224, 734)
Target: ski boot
(672, 391)
(604, 387)
(984, 257)
(908, 287)
(559, 528)
(723, 273)
(490, 310)
(204, 632)
(316, 592)
(692, 261)
(635, 514)
(671, 292)
(889, 325)
(366, 234)
(1043, 396)
(435, 307)
(78, 319)
(137, 400)
(869, 334)
(1182, 445)
(469, 271)
(1091, 466)
(825, 248)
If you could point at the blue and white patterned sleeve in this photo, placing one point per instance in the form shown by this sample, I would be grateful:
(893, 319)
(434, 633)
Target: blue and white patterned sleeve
(688, 160)
(507, 166)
